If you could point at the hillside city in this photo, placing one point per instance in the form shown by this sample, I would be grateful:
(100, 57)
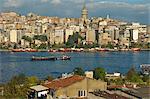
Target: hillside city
(44, 32)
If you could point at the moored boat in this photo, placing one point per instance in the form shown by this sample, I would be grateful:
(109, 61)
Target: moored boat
(102, 49)
(31, 50)
(52, 50)
(135, 49)
(18, 50)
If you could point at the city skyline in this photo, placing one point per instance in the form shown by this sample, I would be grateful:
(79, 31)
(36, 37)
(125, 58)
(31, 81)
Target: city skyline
(136, 11)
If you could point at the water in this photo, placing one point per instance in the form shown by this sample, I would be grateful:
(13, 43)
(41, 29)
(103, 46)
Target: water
(15, 63)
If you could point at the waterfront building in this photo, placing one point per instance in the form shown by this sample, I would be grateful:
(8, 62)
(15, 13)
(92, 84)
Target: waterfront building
(13, 36)
(68, 33)
(104, 38)
(59, 35)
(90, 36)
(134, 34)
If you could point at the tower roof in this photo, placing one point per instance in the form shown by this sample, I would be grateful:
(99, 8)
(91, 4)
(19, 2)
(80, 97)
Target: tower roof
(84, 6)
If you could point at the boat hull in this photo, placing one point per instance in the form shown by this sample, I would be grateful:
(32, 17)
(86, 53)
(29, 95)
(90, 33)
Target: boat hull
(43, 58)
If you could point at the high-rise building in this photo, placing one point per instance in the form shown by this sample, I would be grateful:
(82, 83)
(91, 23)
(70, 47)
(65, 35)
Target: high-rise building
(84, 12)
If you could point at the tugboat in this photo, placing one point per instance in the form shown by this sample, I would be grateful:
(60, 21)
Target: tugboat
(43, 58)
(64, 57)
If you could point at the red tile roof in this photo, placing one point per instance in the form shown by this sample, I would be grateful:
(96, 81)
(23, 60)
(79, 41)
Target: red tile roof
(63, 82)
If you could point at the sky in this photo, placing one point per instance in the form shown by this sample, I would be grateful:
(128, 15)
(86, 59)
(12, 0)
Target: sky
(126, 10)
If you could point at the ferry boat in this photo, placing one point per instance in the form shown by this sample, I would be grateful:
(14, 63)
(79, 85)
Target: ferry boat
(145, 68)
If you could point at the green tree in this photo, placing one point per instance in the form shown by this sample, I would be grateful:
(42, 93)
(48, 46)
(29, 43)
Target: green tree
(49, 78)
(73, 39)
(42, 46)
(133, 76)
(16, 87)
(79, 71)
(32, 80)
(27, 38)
(109, 45)
(99, 73)
(146, 78)
(42, 38)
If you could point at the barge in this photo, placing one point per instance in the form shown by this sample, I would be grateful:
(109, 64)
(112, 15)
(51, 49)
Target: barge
(50, 58)
(43, 58)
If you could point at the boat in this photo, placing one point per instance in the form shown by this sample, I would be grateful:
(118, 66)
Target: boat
(43, 58)
(64, 57)
(31, 50)
(18, 50)
(52, 50)
(135, 49)
(102, 49)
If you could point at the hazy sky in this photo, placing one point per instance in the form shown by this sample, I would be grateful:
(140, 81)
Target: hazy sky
(128, 10)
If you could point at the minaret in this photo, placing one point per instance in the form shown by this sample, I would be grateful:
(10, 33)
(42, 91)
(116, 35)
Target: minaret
(84, 12)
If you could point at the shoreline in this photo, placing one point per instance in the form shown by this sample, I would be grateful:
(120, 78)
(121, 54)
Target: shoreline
(85, 50)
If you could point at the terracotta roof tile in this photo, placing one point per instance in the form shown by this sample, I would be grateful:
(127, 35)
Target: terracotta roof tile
(63, 82)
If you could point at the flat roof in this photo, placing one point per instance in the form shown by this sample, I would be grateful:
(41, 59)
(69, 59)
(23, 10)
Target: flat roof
(39, 88)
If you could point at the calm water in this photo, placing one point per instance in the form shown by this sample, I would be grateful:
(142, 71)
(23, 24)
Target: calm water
(15, 63)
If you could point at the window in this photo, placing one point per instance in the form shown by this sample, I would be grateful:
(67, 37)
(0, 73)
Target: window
(81, 93)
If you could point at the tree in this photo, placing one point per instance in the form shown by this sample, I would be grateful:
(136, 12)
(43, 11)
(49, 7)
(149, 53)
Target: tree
(16, 87)
(33, 80)
(109, 45)
(99, 73)
(42, 38)
(73, 39)
(78, 71)
(49, 78)
(133, 76)
(27, 38)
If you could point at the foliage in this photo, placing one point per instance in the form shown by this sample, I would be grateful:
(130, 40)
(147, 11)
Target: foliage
(109, 45)
(99, 73)
(42, 38)
(18, 86)
(146, 78)
(42, 46)
(49, 78)
(73, 39)
(133, 76)
(79, 71)
(27, 38)
(33, 80)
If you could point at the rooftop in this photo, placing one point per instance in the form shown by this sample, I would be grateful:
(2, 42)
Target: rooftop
(38, 88)
(63, 82)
